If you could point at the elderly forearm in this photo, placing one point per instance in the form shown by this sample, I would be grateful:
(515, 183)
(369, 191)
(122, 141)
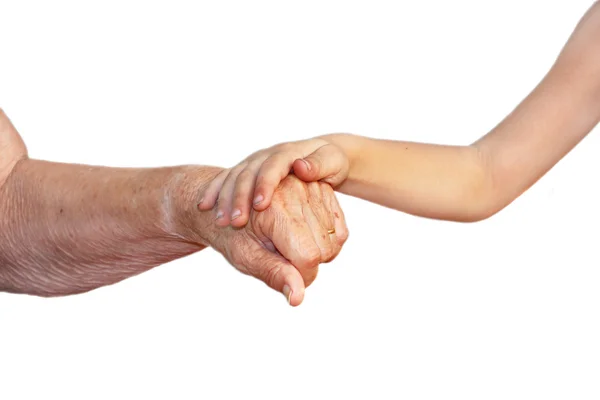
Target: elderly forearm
(67, 229)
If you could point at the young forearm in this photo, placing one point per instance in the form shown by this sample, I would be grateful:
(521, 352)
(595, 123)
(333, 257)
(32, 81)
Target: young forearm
(67, 229)
(433, 181)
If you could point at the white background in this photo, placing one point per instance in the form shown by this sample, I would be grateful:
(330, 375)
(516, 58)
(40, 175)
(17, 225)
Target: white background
(412, 308)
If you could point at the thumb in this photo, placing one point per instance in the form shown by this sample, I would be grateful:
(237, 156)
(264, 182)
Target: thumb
(328, 163)
(279, 274)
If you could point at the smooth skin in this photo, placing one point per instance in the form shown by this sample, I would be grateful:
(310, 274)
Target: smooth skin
(457, 183)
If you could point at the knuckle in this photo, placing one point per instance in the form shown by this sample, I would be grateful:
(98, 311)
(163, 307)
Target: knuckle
(256, 164)
(254, 156)
(286, 157)
(316, 190)
(245, 177)
(285, 147)
(326, 188)
(330, 259)
(223, 173)
(327, 253)
(294, 183)
(217, 181)
(235, 171)
(271, 169)
(343, 236)
(312, 257)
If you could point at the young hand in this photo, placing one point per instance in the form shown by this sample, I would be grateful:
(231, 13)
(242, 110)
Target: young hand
(251, 183)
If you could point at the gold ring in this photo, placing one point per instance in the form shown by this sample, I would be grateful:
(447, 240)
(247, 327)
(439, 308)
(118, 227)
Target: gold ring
(331, 231)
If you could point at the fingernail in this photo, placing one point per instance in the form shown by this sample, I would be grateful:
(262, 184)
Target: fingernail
(307, 164)
(219, 215)
(258, 199)
(287, 292)
(235, 214)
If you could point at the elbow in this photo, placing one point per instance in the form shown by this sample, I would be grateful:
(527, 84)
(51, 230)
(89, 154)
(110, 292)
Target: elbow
(473, 207)
(488, 204)
(473, 201)
(485, 201)
(477, 210)
(480, 197)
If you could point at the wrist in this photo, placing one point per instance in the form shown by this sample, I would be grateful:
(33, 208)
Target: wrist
(185, 189)
(350, 146)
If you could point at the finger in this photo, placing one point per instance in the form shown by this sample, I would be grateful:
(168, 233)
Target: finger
(211, 193)
(242, 195)
(293, 239)
(270, 174)
(328, 163)
(320, 221)
(339, 220)
(279, 274)
(223, 210)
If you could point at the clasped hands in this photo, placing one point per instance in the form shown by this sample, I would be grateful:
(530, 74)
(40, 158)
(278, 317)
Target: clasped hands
(275, 216)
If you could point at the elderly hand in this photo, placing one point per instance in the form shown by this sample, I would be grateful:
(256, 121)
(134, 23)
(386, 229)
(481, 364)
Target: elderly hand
(283, 245)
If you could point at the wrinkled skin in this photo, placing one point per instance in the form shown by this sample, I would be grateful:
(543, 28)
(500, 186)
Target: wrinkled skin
(283, 245)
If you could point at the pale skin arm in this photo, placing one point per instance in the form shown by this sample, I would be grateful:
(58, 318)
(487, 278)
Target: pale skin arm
(469, 183)
(458, 183)
(67, 229)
